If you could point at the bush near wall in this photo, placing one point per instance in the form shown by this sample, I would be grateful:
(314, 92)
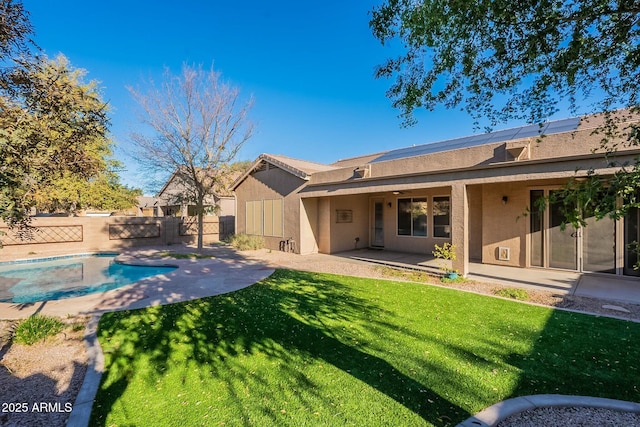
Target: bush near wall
(245, 242)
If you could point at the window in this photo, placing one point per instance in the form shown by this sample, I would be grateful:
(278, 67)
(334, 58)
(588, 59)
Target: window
(412, 217)
(265, 217)
(441, 217)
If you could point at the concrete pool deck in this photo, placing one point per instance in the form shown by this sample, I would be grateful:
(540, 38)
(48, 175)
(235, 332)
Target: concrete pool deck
(226, 272)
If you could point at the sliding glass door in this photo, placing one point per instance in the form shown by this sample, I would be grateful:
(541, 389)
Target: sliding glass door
(563, 240)
(557, 244)
(599, 244)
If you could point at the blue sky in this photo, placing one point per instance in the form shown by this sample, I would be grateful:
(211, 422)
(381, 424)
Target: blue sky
(309, 66)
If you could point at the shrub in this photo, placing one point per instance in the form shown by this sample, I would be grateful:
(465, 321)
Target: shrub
(513, 293)
(37, 328)
(245, 242)
(446, 252)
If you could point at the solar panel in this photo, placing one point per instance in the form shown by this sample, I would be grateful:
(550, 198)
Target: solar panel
(528, 131)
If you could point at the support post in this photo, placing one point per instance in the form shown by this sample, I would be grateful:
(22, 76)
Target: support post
(460, 227)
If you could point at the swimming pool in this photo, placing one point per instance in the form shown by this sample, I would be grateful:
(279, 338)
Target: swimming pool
(66, 277)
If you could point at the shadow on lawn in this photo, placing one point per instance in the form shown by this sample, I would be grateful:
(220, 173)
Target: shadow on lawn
(581, 355)
(297, 323)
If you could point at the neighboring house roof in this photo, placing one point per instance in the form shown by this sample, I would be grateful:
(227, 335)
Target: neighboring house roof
(147, 201)
(302, 169)
(173, 185)
(529, 131)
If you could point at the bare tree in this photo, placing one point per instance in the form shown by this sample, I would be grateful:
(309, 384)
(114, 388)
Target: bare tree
(197, 124)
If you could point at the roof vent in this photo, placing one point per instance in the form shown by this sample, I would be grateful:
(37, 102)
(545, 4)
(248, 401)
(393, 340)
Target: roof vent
(362, 172)
(517, 150)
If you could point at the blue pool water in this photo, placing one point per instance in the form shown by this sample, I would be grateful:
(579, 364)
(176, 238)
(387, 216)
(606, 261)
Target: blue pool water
(67, 277)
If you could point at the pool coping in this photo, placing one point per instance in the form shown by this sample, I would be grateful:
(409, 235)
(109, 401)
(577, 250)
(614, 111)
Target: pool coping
(57, 257)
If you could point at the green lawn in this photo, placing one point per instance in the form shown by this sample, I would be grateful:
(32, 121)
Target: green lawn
(304, 349)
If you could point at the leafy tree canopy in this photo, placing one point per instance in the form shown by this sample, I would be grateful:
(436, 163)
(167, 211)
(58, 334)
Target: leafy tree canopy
(53, 124)
(15, 29)
(70, 194)
(504, 59)
(524, 60)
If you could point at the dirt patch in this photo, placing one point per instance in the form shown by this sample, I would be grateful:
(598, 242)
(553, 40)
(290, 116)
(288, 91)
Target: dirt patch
(40, 382)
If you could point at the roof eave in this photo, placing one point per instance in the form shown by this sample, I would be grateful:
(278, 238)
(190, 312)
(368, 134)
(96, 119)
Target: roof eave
(266, 158)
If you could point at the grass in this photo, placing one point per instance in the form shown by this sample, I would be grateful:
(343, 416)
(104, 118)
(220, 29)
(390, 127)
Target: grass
(513, 293)
(37, 328)
(305, 349)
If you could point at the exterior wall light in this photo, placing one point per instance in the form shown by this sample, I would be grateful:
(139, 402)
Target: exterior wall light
(504, 200)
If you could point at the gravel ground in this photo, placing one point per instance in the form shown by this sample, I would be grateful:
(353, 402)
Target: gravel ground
(52, 372)
(571, 417)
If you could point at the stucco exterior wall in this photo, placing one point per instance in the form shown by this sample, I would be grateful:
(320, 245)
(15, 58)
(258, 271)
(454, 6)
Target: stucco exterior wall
(272, 184)
(504, 224)
(72, 235)
(309, 226)
(324, 225)
(475, 222)
(344, 234)
(227, 206)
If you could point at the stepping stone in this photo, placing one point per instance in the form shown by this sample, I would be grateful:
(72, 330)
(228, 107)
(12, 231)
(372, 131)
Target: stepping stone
(616, 308)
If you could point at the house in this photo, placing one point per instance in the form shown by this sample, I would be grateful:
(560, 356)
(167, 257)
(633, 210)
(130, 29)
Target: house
(474, 192)
(176, 197)
(268, 197)
(146, 206)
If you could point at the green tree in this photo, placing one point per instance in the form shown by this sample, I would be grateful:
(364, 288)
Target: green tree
(53, 130)
(15, 30)
(53, 126)
(523, 60)
(197, 124)
(70, 194)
